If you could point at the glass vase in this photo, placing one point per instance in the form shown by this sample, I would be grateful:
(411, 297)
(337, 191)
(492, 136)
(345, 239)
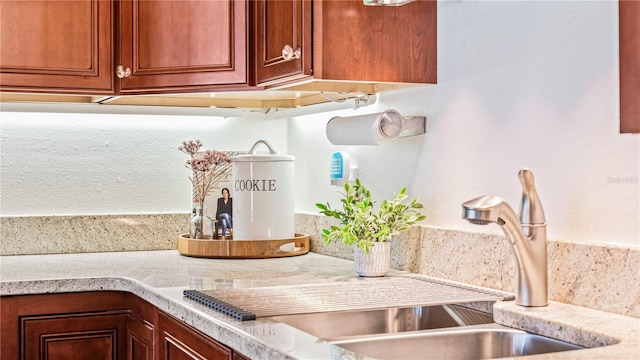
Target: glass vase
(197, 226)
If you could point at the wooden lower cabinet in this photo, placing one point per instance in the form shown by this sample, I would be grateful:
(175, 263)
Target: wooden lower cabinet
(99, 325)
(139, 339)
(92, 335)
(64, 326)
(179, 341)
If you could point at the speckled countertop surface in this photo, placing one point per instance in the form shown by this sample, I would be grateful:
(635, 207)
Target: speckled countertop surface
(159, 277)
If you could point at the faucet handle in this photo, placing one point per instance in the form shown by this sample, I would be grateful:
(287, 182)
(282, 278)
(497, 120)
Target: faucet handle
(531, 211)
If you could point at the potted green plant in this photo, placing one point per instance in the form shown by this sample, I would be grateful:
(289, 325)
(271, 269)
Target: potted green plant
(368, 228)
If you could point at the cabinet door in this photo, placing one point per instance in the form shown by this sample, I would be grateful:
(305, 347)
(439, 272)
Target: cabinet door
(353, 41)
(139, 339)
(281, 33)
(63, 326)
(176, 45)
(629, 66)
(73, 336)
(56, 46)
(179, 341)
(140, 329)
(238, 356)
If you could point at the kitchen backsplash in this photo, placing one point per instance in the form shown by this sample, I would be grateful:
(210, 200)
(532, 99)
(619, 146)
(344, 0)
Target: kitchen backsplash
(93, 233)
(599, 276)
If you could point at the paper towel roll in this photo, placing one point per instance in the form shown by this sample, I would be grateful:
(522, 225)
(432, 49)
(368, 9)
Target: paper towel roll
(367, 129)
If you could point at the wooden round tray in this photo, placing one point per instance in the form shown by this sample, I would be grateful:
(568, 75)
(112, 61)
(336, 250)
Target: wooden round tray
(243, 249)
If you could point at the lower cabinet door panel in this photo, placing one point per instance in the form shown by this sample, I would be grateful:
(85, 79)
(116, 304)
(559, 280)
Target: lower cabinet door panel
(181, 342)
(73, 336)
(139, 339)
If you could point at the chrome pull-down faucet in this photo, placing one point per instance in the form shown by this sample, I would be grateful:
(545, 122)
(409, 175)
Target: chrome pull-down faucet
(527, 236)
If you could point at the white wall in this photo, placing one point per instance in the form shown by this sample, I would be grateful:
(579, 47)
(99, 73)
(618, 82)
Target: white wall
(530, 84)
(520, 84)
(75, 163)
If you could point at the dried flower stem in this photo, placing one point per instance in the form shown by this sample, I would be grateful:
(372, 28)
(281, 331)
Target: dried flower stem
(208, 167)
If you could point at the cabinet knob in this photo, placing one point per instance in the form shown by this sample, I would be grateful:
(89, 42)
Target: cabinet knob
(123, 72)
(289, 54)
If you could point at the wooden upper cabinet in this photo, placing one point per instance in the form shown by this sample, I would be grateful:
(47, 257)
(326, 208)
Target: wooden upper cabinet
(173, 45)
(281, 40)
(629, 66)
(353, 41)
(56, 46)
(129, 47)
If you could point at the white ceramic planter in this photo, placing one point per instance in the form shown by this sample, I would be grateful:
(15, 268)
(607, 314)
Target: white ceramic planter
(375, 263)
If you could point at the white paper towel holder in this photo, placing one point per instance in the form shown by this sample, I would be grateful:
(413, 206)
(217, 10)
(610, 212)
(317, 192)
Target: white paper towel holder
(389, 125)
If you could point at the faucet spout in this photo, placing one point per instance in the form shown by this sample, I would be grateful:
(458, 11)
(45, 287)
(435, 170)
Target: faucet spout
(526, 234)
(530, 206)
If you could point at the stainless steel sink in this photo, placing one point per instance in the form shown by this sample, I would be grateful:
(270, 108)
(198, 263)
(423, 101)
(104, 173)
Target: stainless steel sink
(474, 342)
(427, 332)
(338, 325)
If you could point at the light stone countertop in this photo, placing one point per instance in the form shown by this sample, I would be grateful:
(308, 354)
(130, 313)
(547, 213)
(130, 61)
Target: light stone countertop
(160, 277)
